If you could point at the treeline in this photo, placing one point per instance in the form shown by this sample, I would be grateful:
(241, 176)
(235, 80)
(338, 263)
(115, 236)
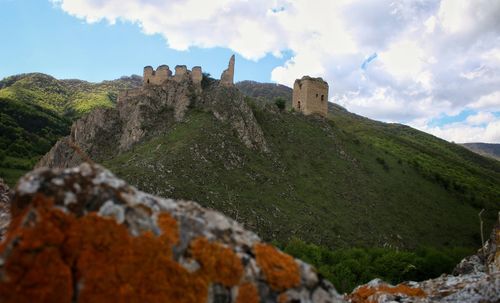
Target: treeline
(27, 132)
(348, 268)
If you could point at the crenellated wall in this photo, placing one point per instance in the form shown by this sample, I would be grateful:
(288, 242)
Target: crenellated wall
(197, 75)
(157, 77)
(163, 73)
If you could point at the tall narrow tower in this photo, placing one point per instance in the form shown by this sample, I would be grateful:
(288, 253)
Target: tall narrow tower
(227, 77)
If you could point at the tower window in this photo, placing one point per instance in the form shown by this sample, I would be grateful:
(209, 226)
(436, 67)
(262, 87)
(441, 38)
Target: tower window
(148, 81)
(322, 97)
(316, 95)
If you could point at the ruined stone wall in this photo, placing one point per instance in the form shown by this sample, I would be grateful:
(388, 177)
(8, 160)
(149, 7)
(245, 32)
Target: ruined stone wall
(196, 75)
(227, 77)
(180, 73)
(310, 96)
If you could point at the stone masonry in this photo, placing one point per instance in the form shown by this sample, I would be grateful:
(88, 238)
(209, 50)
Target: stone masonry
(227, 77)
(310, 96)
(163, 73)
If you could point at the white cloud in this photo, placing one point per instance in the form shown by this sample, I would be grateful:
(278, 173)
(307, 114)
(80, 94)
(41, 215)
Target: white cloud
(435, 58)
(463, 132)
(489, 102)
(480, 118)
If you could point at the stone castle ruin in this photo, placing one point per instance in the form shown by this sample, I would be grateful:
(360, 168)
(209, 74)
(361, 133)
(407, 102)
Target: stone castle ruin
(310, 96)
(163, 73)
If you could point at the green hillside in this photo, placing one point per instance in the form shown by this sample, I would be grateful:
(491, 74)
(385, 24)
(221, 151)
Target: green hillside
(36, 110)
(70, 98)
(27, 131)
(343, 181)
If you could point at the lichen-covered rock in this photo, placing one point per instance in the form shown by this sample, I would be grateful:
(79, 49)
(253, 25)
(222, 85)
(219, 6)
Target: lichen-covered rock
(4, 208)
(476, 280)
(487, 259)
(83, 235)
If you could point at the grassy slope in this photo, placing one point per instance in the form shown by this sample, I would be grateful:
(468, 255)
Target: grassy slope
(71, 98)
(473, 179)
(37, 109)
(322, 182)
(27, 131)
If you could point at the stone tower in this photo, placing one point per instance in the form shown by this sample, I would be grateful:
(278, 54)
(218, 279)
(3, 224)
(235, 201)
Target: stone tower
(227, 77)
(310, 96)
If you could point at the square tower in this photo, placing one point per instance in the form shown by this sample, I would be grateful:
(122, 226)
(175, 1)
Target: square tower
(310, 96)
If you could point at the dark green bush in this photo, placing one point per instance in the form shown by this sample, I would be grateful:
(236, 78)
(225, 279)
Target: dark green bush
(280, 103)
(347, 268)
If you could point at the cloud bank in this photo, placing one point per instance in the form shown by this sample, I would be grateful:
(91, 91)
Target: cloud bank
(412, 61)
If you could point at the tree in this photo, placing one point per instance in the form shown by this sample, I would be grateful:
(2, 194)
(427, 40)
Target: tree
(280, 103)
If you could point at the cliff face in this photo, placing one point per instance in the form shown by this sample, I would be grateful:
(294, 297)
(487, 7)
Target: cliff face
(149, 111)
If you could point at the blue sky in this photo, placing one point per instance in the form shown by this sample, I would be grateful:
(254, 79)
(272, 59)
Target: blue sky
(430, 64)
(43, 38)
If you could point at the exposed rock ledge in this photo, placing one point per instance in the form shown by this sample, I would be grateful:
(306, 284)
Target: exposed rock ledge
(83, 235)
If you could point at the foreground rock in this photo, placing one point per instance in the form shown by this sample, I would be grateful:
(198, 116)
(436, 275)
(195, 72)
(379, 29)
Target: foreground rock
(4, 208)
(83, 235)
(476, 280)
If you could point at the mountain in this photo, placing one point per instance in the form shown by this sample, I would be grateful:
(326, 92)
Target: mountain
(37, 109)
(485, 149)
(339, 181)
(268, 91)
(71, 98)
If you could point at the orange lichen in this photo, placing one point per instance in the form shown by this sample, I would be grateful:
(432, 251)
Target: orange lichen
(55, 251)
(170, 229)
(280, 270)
(34, 270)
(282, 298)
(247, 293)
(218, 263)
(365, 294)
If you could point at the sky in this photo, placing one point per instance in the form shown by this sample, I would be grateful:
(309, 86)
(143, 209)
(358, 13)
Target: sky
(433, 65)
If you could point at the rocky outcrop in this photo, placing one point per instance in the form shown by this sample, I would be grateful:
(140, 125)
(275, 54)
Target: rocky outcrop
(228, 105)
(4, 208)
(476, 280)
(149, 111)
(487, 259)
(83, 235)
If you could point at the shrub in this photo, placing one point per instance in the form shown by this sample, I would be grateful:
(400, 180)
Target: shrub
(348, 267)
(280, 103)
(382, 162)
(207, 80)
